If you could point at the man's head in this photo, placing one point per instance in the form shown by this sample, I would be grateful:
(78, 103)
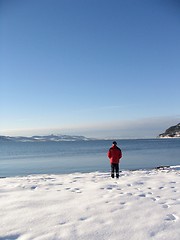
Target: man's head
(115, 143)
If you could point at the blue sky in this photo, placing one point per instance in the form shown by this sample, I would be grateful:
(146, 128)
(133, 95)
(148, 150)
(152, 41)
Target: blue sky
(99, 68)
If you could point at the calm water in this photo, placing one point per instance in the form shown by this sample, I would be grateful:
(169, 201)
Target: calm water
(67, 157)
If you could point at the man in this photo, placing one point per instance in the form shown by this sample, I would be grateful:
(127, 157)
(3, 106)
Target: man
(114, 154)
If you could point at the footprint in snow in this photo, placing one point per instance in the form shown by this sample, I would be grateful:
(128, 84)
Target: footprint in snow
(155, 199)
(139, 183)
(165, 206)
(62, 222)
(129, 185)
(110, 187)
(83, 218)
(76, 190)
(171, 217)
(129, 194)
(172, 182)
(142, 195)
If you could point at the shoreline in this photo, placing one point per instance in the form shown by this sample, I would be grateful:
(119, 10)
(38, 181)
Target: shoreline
(159, 168)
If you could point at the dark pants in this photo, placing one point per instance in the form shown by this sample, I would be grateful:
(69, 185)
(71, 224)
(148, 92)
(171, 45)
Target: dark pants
(115, 167)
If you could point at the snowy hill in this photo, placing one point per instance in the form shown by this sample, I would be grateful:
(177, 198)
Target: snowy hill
(47, 138)
(172, 132)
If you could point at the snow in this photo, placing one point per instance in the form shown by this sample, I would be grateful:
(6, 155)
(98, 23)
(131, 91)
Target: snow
(141, 205)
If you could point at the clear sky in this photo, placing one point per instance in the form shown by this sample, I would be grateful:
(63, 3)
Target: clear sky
(99, 68)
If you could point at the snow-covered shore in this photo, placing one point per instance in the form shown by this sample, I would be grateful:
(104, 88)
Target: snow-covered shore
(141, 205)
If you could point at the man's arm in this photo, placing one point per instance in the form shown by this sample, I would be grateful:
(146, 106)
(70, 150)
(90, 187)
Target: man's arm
(109, 154)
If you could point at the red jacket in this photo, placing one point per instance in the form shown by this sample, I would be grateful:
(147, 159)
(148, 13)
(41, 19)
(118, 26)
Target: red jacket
(114, 154)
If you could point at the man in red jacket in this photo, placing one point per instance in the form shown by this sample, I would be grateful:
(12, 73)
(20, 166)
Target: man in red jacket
(114, 154)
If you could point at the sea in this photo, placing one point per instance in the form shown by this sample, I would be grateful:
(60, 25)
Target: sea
(26, 158)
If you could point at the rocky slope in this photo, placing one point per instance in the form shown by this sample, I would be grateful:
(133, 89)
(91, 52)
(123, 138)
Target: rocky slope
(172, 132)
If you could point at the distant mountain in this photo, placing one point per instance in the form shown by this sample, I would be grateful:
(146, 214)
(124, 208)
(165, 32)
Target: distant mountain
(48, 138)
(172, 132)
